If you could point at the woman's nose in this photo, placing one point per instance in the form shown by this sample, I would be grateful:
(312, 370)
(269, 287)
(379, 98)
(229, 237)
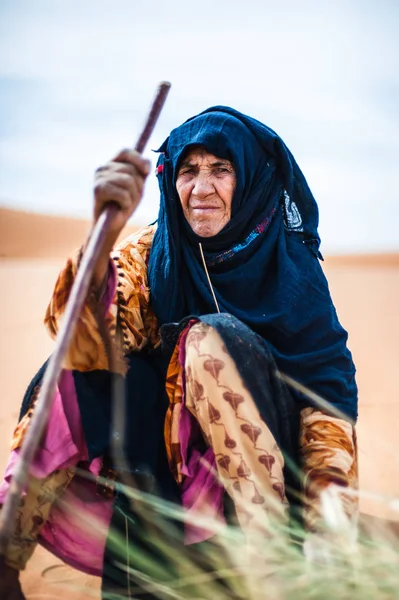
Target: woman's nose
(202, 185)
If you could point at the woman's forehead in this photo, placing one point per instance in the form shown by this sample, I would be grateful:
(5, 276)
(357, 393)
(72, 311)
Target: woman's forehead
(200, 154)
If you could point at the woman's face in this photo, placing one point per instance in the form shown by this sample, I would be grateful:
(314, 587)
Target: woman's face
(206, 184)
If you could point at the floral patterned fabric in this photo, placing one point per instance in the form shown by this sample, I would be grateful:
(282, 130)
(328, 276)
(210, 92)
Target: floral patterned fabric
(21, 428)
(247, 459)
(329, 456)
(252, 473)
(138, 323)
(33, 513)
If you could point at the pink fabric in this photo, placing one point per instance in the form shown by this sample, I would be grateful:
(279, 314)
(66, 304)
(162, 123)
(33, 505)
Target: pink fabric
(201, 492)
(77, 528)
(78, 524)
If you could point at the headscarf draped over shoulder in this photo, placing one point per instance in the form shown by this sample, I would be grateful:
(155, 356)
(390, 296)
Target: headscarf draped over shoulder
(264, 264)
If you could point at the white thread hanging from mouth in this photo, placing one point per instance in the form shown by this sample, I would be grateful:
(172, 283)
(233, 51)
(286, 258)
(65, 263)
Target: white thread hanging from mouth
(209, 279)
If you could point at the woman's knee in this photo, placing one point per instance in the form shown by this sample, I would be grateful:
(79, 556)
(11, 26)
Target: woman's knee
(236, 338)
(202, 342)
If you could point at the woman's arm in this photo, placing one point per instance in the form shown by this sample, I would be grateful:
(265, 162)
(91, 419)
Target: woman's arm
(329, 457)
(120, 281)
(126, 292)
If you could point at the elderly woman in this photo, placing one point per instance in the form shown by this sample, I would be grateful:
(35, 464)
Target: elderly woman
(219, 304)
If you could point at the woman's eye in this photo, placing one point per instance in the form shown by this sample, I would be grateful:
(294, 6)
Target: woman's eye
(185, 172)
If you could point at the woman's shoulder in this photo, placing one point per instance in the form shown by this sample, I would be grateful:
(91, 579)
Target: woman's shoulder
(139, 241)
(130, 258)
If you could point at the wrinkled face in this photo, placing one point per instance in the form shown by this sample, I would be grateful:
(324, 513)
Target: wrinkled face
(205, 184)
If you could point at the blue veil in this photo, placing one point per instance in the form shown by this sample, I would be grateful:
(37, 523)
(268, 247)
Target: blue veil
(264, 264)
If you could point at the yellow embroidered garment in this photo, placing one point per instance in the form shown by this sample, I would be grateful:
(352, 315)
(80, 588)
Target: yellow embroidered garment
(138, 322)
(32, 514)
(328, 449)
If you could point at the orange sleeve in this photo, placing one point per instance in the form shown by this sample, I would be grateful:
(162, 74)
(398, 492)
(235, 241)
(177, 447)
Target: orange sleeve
(131, 302)
(329, 456)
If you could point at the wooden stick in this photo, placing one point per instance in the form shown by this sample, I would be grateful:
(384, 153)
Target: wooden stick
(157, 105)
(73, 309)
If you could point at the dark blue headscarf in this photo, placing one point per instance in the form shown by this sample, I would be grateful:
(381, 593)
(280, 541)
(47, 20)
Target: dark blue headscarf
(264, 264)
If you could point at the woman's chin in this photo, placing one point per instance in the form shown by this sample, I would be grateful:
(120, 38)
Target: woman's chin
(206, 230)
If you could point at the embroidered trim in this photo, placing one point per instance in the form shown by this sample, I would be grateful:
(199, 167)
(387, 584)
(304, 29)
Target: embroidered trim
(292, 216)
(259, 229)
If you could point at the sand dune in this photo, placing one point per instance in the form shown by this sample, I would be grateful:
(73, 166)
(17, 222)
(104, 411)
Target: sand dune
(365, 291)
(30, 235)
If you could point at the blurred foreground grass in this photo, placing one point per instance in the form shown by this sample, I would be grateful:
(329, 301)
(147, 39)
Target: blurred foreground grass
(149, 554)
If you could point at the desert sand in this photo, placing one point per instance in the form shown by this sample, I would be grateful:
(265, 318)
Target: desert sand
(365, 290)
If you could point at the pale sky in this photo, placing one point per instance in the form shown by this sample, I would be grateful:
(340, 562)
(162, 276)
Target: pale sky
(77, 77)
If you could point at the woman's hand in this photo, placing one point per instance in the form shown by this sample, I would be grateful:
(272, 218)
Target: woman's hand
(120, 182)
